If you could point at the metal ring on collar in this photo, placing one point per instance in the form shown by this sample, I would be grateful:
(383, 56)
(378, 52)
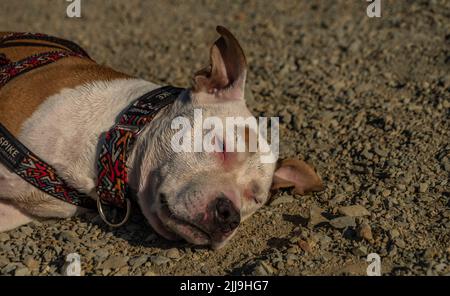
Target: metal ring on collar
(122, 222)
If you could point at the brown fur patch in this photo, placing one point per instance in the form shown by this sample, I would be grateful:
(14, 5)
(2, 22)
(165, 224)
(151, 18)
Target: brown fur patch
(20, 97)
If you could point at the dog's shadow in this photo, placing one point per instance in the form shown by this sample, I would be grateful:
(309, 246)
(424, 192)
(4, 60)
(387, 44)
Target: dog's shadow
(137, 231)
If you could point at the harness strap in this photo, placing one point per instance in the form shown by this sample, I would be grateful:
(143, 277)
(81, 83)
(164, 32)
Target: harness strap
(10, 70)
(27, 165)
(3, 59)
(14, 69)
(14, 154)
(72, 46)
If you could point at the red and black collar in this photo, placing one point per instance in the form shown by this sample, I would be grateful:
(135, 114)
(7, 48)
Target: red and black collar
(116, 144)
(112, 183)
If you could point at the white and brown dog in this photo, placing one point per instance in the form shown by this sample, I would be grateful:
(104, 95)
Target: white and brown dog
(60, 110)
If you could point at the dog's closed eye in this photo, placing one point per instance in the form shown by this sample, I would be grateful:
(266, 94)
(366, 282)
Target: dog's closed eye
(253, 193)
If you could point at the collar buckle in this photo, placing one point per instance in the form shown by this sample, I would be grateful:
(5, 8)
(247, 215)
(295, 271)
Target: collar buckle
(110, 222)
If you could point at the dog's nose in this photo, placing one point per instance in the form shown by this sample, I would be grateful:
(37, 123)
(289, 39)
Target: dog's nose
(227, 217)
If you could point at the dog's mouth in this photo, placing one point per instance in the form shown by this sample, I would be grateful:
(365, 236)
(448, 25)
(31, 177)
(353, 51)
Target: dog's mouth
(168, 225)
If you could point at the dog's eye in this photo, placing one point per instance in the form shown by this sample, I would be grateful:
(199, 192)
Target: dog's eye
(256, 190)
(257, 201)
(252, 193)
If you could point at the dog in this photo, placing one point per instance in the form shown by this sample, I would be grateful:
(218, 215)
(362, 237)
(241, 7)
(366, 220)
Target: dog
(60, 110)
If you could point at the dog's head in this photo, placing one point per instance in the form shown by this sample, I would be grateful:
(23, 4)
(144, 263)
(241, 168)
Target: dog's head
(203, 196)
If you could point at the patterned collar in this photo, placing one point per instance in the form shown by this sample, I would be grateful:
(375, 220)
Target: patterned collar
(112, 183)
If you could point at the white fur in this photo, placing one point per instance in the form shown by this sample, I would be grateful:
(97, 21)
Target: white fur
(11, 217)
(64, 132)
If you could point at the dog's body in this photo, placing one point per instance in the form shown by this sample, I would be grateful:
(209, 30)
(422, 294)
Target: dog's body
(59, 112)
(49, 109)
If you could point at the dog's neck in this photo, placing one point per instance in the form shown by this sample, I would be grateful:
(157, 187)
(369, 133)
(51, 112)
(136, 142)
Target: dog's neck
(76, 118)
(151, 145)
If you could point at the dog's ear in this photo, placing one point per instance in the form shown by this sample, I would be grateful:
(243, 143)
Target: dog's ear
(298, 174)
(227, 71)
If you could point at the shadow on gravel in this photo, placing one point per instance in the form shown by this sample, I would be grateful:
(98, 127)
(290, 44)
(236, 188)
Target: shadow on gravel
(137, 231)
(296, 219)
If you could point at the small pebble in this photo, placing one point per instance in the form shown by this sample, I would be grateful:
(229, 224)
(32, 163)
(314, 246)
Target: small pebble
(4, 237)
(173, 253)
(343, 222)
(101, 254)
(150, 273)
(353, 211)
(22, 271)
(304, 245)
(364, 231)
(159, 260)
(282, 200)
(360, 251)
(260, 271)
(423, 187)
(315, 216)
(400, 243)
(267, 267)
(31, 263)
(114, 262)
(138, 261)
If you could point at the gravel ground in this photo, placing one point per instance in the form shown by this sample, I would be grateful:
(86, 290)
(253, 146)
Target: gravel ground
(364, 100)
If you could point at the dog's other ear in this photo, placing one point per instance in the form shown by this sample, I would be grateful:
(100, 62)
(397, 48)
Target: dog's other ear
(226, 73)
(296, 173)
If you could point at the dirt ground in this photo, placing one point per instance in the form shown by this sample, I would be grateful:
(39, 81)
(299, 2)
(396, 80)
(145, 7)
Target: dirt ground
(366, 100)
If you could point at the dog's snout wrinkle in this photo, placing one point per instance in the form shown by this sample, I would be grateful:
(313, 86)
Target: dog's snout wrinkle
(163, 199)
